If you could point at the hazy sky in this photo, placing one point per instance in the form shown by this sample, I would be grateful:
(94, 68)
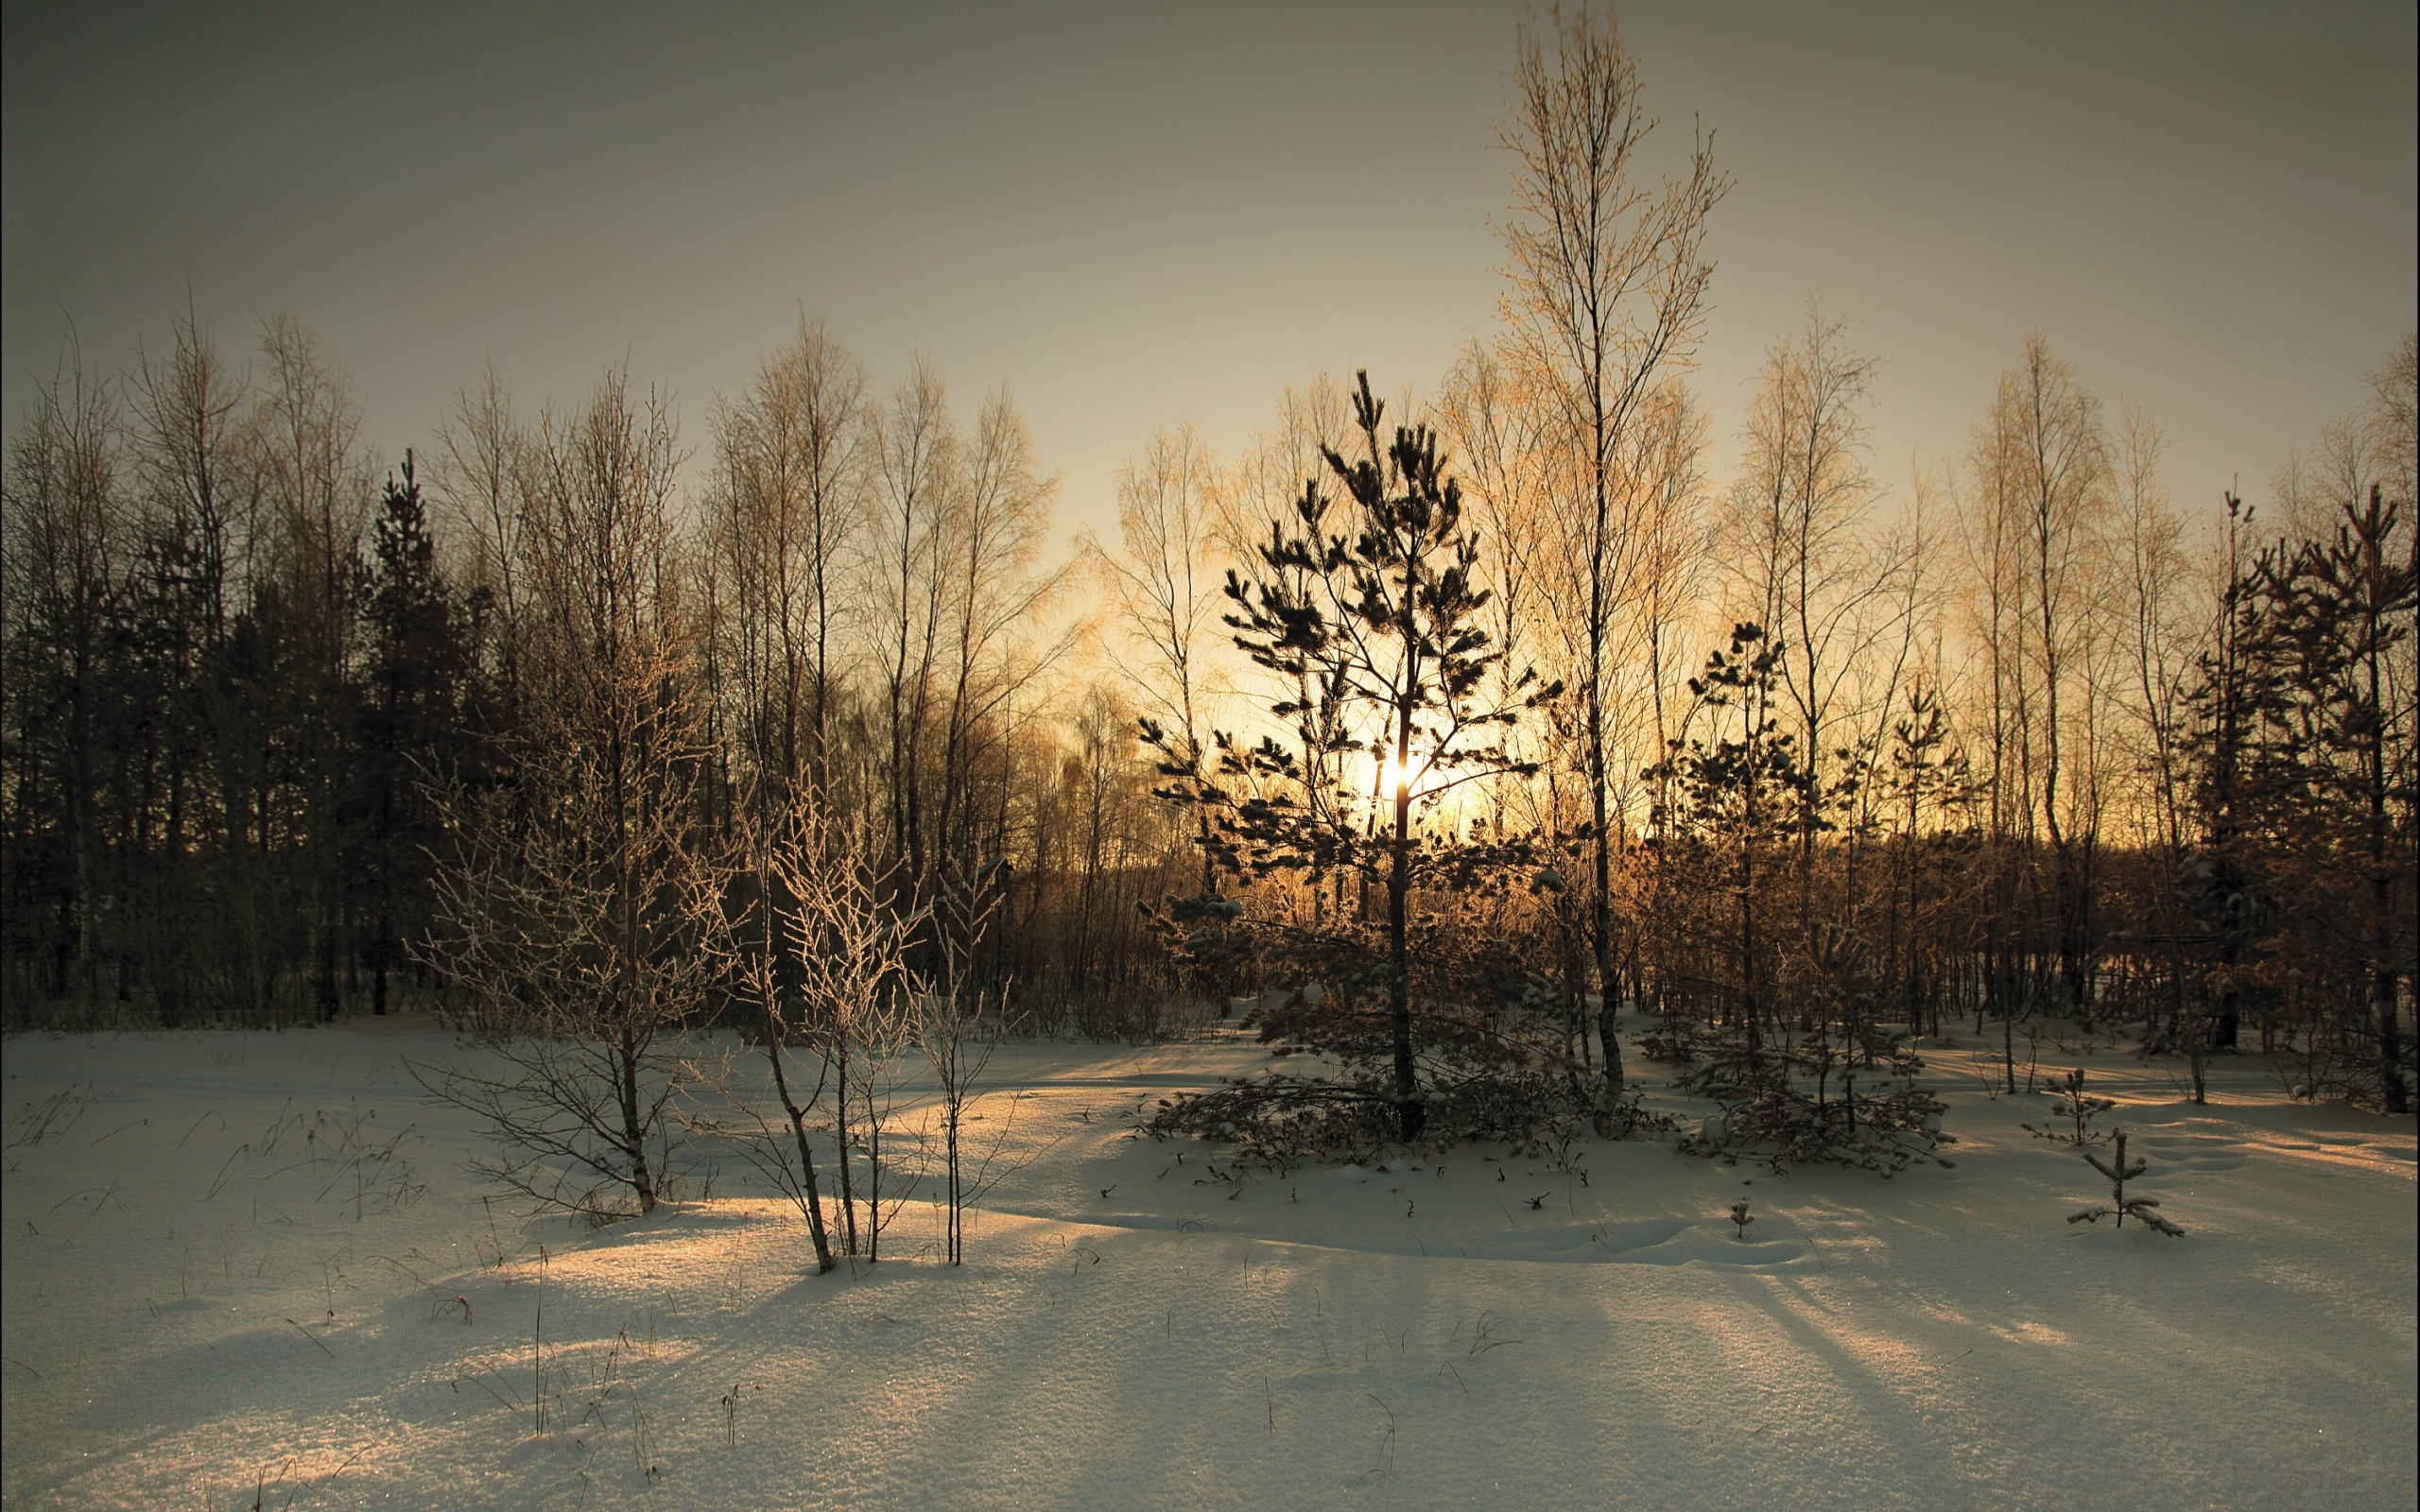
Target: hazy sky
(1138, 215)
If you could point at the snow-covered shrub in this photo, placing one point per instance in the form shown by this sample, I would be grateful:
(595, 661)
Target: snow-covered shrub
(1834, 1086)
(1792, 1105)
(1279, 1121)
(1780, 1125)
(1680, 1040)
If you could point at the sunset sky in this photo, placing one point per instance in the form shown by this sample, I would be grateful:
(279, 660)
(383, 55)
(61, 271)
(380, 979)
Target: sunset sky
(1138, 215)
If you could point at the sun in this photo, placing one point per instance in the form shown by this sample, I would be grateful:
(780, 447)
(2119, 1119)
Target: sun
(1391, 777)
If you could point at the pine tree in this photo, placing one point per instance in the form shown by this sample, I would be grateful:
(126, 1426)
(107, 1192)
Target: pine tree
(410, 720)
(1737, 798)
(1741, 796)
(2078, 1107)
(1372, 605)
(2338, 612)
(2120, 1171)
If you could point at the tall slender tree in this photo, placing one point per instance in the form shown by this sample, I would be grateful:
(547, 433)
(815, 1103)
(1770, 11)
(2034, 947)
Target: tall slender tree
(1607, 292)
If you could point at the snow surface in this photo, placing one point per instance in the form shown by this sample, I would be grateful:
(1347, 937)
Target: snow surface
(250, 1267)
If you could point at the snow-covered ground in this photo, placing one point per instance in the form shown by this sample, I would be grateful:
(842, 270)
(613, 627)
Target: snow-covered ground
(250, 1267)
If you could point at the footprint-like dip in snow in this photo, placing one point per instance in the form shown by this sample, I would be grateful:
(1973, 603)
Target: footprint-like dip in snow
(1576, 1243)
(1701, 1244)
(2191, 1152)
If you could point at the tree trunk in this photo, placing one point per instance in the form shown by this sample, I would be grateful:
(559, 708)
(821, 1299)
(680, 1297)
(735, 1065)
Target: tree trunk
(634, 1129)
(2382, 973)
(1608, 995)
(824, 1260)
(1413, 1115)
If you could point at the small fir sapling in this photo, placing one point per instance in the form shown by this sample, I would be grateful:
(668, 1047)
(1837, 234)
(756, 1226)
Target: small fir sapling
(1741, 1219)
(2079, 1108)
(2120, 1171)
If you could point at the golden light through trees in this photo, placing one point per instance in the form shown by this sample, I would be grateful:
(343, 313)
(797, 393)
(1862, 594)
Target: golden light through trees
(1960, 753)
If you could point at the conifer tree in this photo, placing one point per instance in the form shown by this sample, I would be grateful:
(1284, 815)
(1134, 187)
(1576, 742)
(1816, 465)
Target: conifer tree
(1372, 601)
(2341, 611)
(2078, 1107)
(2118, 1170)
(410, 720)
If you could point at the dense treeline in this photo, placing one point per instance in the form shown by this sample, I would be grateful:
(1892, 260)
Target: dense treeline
(260, 699)
(1805, 764)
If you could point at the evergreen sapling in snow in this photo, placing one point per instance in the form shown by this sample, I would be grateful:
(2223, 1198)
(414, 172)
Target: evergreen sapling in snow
(2078, 1109)
(1800, 1058)
(2120, 1171)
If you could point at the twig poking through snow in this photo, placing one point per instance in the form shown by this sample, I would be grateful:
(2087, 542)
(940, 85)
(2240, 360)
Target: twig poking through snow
(312, 1337)
(1388, 1468)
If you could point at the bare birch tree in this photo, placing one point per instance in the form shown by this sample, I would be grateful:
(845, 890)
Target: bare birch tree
(993, 535)
(1164, 591)
(1608, 291)
(906, 554)
(575, 919)
(849, 942)
(786, 503)
(1810, 568)
(2035, 526)
(314, 495)
(60, 577)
